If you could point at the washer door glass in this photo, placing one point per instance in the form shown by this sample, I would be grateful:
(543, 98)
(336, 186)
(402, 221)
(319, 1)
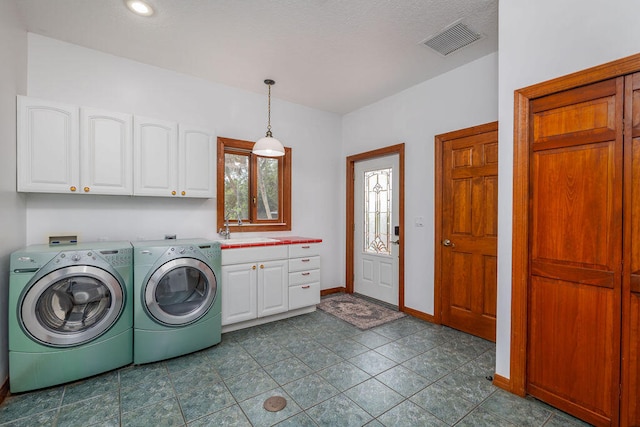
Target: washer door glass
(181, 291)
(72, 305)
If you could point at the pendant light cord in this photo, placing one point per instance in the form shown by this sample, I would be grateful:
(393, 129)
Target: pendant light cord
(269, 114)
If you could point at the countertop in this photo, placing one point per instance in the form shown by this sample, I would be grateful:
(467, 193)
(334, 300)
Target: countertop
(273, 241)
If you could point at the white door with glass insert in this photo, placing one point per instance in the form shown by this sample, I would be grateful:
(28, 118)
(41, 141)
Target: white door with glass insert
(376, 205)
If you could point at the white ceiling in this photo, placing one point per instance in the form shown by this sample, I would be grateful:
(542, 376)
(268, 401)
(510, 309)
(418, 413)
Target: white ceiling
(333, 55)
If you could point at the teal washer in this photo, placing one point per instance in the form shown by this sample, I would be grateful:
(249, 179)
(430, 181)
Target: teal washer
(70, 312)
(178, 306)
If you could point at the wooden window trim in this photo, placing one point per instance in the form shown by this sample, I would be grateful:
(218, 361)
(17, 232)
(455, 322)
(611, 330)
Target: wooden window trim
(285, 191)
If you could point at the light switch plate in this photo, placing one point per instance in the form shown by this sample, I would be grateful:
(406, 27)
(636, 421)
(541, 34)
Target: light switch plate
(419, 221)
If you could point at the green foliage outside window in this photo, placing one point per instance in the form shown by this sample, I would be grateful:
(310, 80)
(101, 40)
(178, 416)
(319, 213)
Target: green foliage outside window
(237, 197)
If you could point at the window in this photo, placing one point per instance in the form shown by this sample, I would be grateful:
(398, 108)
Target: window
(254, 192)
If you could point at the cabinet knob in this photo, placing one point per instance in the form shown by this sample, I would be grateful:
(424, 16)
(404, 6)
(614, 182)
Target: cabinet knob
(306, 286)
(306, 273)
(253, 267)
(73, 188)
(86, 189)
(261, 265)
(173, 193)
(184, 193)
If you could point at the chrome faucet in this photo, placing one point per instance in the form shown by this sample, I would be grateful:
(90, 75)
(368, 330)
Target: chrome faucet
(224, 232)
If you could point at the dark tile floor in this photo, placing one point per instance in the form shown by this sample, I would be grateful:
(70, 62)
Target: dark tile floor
(404, 373)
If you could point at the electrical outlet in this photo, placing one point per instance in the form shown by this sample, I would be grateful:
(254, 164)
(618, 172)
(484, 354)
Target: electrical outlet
(419, 221)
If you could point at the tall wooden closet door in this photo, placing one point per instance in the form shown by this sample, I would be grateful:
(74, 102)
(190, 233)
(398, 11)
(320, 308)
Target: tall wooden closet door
(630, 408)
(573, 348)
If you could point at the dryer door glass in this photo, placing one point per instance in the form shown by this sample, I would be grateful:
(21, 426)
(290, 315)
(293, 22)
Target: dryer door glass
(72, 305)
(181, 291)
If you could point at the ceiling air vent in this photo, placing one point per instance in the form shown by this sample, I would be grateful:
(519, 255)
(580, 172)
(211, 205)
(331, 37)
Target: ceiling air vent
(452, 38)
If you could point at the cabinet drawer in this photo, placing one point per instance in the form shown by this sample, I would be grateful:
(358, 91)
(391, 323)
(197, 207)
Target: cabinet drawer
(254, 254)
(303, 264)
(304, 250)
(304, 277)
(304, 295)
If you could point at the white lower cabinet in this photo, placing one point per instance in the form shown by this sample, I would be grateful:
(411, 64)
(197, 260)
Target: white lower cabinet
(254, 289)
(273, 296)
(239, 293)
(304, 275)
(287, 278)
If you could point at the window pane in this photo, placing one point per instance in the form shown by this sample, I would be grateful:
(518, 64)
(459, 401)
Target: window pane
(236, 186)
(377, 220)
(268, 188)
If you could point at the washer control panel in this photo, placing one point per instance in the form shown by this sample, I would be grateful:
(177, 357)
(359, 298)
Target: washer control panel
(115, 257)
(118, 258)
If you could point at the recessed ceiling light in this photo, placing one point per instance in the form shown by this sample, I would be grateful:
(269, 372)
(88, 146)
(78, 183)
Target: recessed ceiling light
(139, 7)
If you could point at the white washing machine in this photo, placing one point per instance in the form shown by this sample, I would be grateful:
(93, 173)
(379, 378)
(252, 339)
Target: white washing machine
(177, 308)
(70, 312)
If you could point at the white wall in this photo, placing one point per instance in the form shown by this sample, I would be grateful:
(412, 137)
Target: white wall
(69, 73)
(539, 41)
(466, 96)
(13, 79)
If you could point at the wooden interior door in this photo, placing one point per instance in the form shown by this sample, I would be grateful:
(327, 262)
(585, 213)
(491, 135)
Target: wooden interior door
(574, 295)
(630, 406)
(470, 229)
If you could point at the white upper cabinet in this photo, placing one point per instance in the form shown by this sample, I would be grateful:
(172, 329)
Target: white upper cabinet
(172, 164)
(69, 149)
(105, 152)
(66, 149)
(155, 156)
(196, 163)
(48, 146)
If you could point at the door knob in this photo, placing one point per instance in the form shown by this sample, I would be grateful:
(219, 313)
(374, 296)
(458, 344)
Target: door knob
(447, 242)
(396, 242)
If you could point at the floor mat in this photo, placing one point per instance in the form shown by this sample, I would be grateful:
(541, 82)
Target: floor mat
(357, 311)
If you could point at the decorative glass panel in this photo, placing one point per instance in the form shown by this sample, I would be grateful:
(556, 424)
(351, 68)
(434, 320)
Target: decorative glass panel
(377, 208)
(268, 187)
(236, 186)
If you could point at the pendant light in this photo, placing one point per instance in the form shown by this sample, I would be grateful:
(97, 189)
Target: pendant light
(268, 146)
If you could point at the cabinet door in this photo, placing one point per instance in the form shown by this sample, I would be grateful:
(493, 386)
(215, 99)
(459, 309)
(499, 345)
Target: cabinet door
(155, 157)
(48, 146)
(630, 408)
(273, 287)
(196, 163)
(239, 296)
(105, 152)
(573, 348)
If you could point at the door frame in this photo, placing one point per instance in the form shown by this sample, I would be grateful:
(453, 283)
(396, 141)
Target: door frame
(521, 192)
(350, 223)
(439, 155)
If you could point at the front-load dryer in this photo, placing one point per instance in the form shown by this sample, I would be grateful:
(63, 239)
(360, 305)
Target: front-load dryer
(70, 312)
(177, 307)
